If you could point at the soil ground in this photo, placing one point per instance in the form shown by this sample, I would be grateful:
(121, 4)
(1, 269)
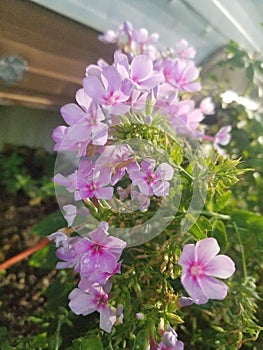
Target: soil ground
(21, 284)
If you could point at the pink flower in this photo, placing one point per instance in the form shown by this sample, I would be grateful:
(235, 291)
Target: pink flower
(181, 74)
(90, 300)
(184, 118)
(170, 341)
(109, 90)
(222, 137)
(184, 50)
(115, 160)
(92, 183)
(85, 125)
(142, 73)
(207, 106)
(150, 181)
(200, 264)
(99, 253)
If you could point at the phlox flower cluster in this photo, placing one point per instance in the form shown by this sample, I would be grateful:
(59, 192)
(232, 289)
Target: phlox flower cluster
(147, 82)
(133, 82)
(96, 258)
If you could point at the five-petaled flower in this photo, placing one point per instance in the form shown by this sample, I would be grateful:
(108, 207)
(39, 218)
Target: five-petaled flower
(200, 265)
(150, 181)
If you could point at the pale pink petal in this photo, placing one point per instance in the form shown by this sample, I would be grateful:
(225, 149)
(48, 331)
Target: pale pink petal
(193, 288)
(188, 255)
(99, 134)
(179, 345)
(94, 88)
(152, 81)
(81, 303)
(107, 319)
(148, 165)
(165, 171)
(104, 193)
(70, 213)
(161, 188)
(141, 67)
(105, 177)
(58, 136)
(83, 99)
(212, 288)
(113, 79)
(119, 109)
(192, 87)
(220, 266)
(191, 73)
(145, 188)
(206, 249)
(72, 113)
(79, 132)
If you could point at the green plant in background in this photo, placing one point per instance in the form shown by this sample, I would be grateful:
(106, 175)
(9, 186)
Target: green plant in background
(27, 171)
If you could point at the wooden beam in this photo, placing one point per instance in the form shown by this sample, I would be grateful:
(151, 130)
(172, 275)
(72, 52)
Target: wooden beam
(57, 50)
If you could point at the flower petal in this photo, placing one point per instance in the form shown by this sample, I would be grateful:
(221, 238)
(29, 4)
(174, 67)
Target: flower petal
(81, 303)
(220, 266)
(193, 288)
(141, 67)
(161, 188)
(206, 249)
(188, 255)
(107, 319)
(104, 193)
(212, 288)
(165, 171)
(72, 113)
(94, 88)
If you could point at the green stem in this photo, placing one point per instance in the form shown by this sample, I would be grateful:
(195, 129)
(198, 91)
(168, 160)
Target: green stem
(216, 215)
(209, 213)
(185, 172)
(242, 252)
(57, 334)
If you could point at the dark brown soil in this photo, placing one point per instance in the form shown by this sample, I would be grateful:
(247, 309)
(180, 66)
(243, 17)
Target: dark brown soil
(21, 284)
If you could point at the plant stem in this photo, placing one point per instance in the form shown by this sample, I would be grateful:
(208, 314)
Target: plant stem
(216, 215)
(25, 254)
(242, 252)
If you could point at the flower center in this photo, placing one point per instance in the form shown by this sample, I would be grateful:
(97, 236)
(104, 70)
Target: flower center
(150, 178)
(196, 270)
(101, 300)
(91, 186)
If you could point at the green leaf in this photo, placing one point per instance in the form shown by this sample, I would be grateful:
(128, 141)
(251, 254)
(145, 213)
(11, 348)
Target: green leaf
(44, 258)
(57, 294)
(250, 72)
(219, 233)
(140, 340)
(251, 222)
(49, 224)
(222, 199)
(92, 342)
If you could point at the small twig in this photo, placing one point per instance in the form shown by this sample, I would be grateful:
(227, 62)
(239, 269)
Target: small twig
(25, 254)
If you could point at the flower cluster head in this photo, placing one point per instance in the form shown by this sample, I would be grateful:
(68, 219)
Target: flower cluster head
(96, 258)
(144, 84)
(134, 81)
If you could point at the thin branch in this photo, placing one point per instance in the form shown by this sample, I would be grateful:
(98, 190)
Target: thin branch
(25, 254)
